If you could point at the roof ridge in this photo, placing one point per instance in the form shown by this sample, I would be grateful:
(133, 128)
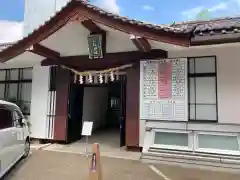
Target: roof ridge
(205, 21)
(86, 2)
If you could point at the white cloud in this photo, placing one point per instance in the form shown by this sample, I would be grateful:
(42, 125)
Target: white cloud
(108, 5)
(148, 8)
(192, 13)
(10, 31)
(220, 6)
(222, 9)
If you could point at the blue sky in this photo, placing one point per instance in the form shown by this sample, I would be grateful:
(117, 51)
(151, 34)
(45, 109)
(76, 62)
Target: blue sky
(11, 10)
(156, 11)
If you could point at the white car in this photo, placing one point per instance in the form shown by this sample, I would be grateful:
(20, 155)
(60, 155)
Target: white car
(14, 136)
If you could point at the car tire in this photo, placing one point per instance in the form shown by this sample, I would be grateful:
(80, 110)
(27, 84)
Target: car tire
(26, 148)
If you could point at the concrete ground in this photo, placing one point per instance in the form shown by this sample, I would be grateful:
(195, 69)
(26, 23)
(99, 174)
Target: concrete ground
(48, 165)
(181, 173)
(109, 146)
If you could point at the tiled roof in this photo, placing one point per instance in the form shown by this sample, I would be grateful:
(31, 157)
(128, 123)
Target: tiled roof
(184, 34)
(133, 21)
(220, 25)
(216, 31)
(4, 46)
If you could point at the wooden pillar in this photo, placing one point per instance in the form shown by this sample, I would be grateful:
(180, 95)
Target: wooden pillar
(132, 107)
(62, 90)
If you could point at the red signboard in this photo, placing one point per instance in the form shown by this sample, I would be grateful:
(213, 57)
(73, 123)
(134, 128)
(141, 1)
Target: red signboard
(165, 80)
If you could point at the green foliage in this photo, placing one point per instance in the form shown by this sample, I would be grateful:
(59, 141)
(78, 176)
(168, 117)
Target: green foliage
(203, 15)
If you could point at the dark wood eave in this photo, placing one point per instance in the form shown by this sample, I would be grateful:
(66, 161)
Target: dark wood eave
(215, 39)
(76, 7)
(109, 61)
(44, 51)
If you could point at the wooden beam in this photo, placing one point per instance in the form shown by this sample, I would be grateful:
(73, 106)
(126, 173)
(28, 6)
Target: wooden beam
(215, 39)
(110, 60)
(91, 26)
(95, 29)
(141, 43)
(44, 51)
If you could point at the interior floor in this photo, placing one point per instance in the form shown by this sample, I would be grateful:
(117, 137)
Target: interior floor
(108, 141)
(105, 106)
(108, 138)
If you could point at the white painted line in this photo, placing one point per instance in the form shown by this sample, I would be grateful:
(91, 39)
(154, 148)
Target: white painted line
(83, 153)
(40, 146)
(158, 172)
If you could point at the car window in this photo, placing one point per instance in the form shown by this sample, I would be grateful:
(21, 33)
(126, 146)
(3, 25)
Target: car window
(17, 118)
(5, 119)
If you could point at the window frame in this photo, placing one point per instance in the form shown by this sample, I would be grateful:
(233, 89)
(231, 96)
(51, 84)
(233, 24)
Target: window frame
(11, 115)
(20, 80)
(199, 75)
(219, 151)
(190, 146)
(17, 121)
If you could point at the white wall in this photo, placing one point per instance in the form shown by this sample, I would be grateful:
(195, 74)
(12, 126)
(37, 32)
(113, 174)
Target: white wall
(228, 89)
(38, 117)
(95, 105)
(228, 83)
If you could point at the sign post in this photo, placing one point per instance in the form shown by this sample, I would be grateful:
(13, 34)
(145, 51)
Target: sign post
(87, 131)
(95, 172)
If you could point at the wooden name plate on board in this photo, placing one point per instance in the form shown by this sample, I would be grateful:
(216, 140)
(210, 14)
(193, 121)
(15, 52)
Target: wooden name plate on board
(95, 172)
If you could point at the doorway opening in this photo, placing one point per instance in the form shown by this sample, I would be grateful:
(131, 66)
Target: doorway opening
(105, 105)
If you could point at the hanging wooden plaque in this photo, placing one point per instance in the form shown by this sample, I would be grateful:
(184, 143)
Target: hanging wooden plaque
(95, 45)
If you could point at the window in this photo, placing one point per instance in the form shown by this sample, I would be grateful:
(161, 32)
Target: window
(16, 87)
(173, 139)
(170, 138)
(219, 142)
(202, 84)
(17, 119)
(5, 118)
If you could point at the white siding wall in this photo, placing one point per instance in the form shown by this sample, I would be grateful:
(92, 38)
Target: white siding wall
(40, 86)
(228, 82)
(228, 88)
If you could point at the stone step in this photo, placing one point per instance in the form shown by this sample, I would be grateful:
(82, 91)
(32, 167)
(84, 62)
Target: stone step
(191, 153)
(206, 161)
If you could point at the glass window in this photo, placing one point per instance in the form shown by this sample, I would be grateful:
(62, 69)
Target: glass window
(219, 142)
(25, 97)
(14, 74)
(2, 91)
(17, 118)
(5, 118)
(2, 75)
(16, 87)
(202, 89)
(205, 88)
(27, 73)
(26, 91)
(171, 138)
(12, 92)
